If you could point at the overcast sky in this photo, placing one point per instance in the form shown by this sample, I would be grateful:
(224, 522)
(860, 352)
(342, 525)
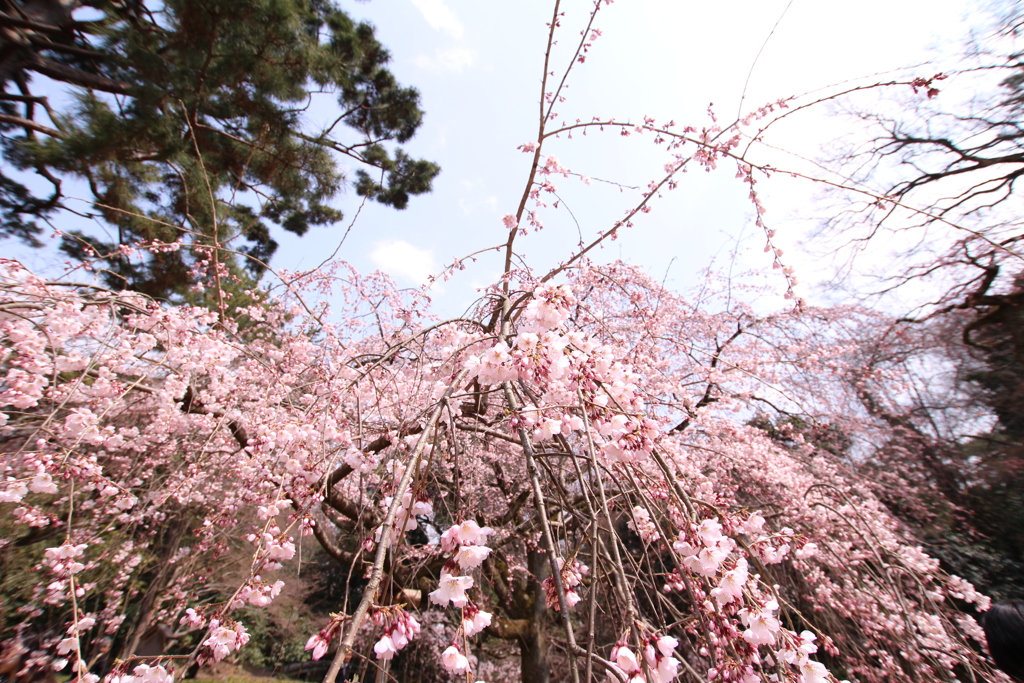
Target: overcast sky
(478, 63)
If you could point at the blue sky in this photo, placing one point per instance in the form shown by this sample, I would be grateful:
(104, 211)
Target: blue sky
(478, 66)
(478, 63)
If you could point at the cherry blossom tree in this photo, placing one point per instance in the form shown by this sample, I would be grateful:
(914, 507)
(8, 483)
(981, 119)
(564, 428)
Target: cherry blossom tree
(568, 482)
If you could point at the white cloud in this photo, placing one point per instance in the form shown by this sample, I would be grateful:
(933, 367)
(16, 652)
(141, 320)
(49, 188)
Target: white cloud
(451, 59)
(401, 259)
(440, 16)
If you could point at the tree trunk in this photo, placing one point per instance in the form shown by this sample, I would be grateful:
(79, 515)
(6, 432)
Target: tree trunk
(154, 592)
(533, 646)
(533, 657)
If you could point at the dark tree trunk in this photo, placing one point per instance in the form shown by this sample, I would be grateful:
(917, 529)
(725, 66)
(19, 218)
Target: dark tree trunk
(155, 591)
(533, 645)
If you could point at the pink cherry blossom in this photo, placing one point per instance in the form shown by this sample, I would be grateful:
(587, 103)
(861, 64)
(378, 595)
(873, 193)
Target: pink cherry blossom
(385, 648)
(475, 622)
(466, 533)
(225, 639)
(318, 645)
(813, 672)
(729, 426)
(144, 673)
(762, 625)
(454, 661)
(471, 556)
(452, 589)
(625, 659)
(667, 645)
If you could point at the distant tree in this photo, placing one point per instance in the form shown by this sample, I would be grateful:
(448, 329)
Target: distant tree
(994, 489)
(188, 125)
(944, 174)
(939, 184)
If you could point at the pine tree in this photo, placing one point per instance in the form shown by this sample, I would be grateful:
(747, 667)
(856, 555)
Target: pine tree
(189, 126)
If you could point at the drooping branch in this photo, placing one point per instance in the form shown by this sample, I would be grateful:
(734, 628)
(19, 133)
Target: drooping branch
(377, 570)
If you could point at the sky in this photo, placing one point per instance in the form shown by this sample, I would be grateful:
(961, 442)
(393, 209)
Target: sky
(478, 65)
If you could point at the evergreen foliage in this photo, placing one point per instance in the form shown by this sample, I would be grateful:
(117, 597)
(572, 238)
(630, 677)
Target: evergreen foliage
(189, 125)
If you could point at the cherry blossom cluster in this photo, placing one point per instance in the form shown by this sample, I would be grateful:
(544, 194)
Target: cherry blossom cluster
(705, 548)
(572, 574)
(257, 593)
(468, 538)
(63, 561)
(642, 524)
(474, 621)
(411, 506)
(658, 656)
(319, 642)
(142, 673)
(466, 541)
(225, 637)
(277, 548)
(121, 418)
(399, 627)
